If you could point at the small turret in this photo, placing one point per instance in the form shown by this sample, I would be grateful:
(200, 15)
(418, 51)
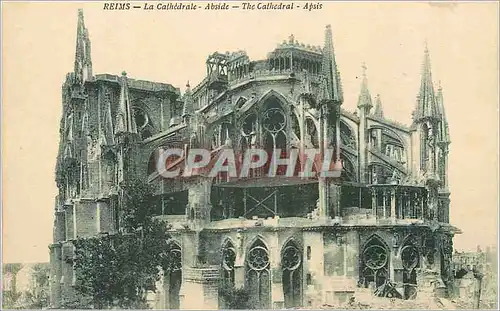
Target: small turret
(444, 135)
(379, 110)
(125, 122)
(364, 99)
(364, 106)
(188, 108)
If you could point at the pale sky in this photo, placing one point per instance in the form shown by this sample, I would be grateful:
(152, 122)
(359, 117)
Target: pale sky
(165, 46)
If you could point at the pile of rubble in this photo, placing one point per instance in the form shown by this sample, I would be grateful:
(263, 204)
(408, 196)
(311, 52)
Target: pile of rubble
(397, 304)
(379, 303)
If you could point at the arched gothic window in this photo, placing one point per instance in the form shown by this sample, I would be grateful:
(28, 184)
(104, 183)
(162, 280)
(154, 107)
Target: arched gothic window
(227, 263)
(248, 132)
(258, 279)
(291, 263)
(274, 122)
(410, 258)
(375, 263)
(174, 275)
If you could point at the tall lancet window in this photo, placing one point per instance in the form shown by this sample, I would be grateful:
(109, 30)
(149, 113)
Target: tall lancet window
(228, 260)
(291, 263)
(258, 279)
(410, 257)
(248, 138)
(174, 275)
(442, 166)
(248, 132)
(274, 129)
(424, 148)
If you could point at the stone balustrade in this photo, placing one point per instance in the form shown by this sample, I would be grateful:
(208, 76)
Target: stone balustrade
(265, 73)
(399, 202)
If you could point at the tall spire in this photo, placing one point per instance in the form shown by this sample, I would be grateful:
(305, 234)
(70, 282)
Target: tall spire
(379, 111)
(330, 72)
(125, 122)
(444, 135)
(365, 99)
(426, 100)
(83, 61)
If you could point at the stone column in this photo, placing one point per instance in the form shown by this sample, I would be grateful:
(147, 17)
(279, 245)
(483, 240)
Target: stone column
(362, 145)
(60, 228)
(55, 276)
(393, 203)
(415, 204)
(407, 205)
(199, 201)
(422, 209)
(384, 202)
(239, 263)
(277, 295)
(373, 192)
(334, 194)
(379, 140)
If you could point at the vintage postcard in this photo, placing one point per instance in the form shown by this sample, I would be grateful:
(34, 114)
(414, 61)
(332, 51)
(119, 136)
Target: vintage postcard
(249, 155)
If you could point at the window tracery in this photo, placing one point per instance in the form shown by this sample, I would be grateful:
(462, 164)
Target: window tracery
(410, 259)
(249, 132)
(375, 263)
(274, 123)
(347, 136)
(291, 263)
(174, 273)
(228, 261)
(258, 274)
(395, 152)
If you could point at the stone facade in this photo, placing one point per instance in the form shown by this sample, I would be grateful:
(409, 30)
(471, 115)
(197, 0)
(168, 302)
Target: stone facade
(293, 242)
